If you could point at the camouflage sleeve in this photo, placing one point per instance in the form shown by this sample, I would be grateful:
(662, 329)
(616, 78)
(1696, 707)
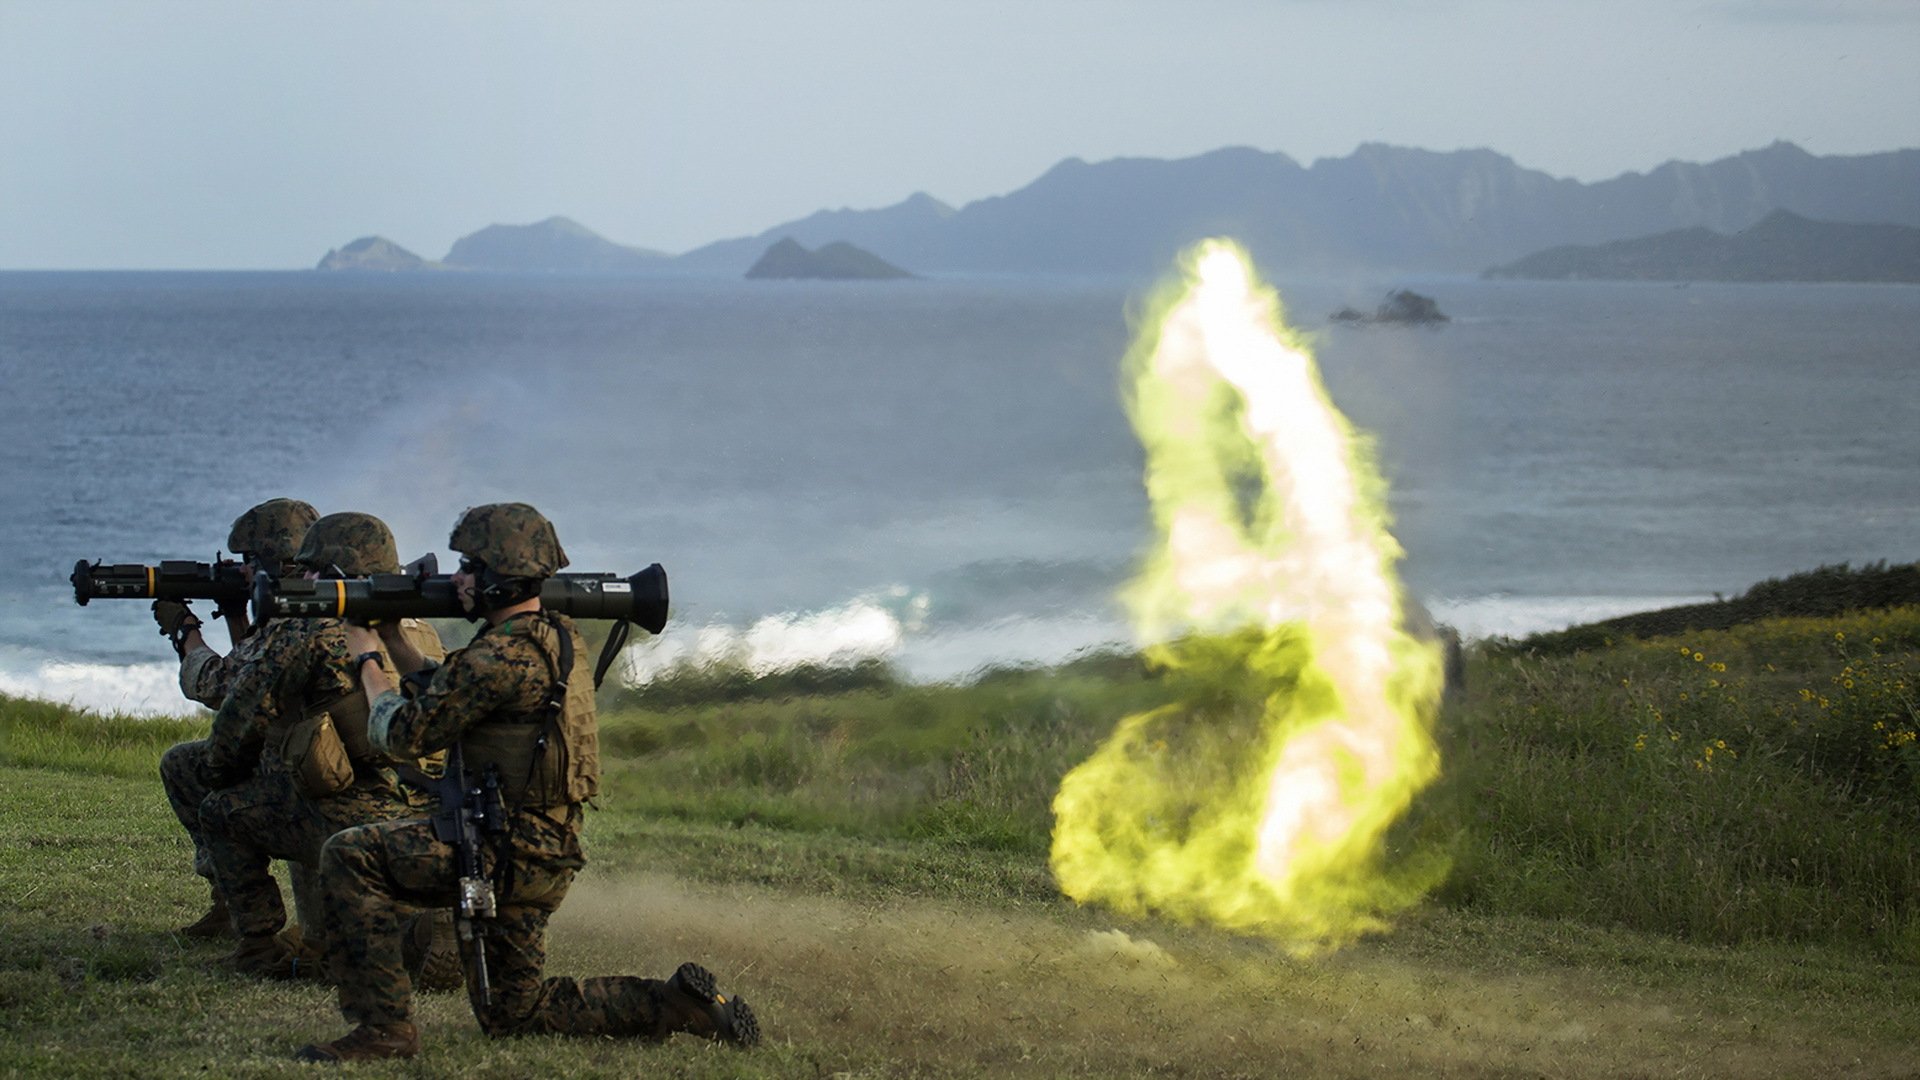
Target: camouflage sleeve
(258, 693)
(205, 676)
(474, 683)
(381, 710)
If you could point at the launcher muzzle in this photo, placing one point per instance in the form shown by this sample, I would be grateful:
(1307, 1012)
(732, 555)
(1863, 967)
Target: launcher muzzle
(223, 581)
(419, 591)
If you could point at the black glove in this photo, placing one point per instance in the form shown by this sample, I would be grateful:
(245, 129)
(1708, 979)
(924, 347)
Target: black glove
(235, 608)
(214, 779)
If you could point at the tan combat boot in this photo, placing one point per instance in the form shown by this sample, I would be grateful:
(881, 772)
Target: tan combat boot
(214, 924)
(269, 956)
(309, 956)
(695, 1005)
(430, 950)
(368, 1042)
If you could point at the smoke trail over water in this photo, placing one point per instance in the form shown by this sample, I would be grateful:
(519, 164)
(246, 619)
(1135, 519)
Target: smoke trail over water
(1261, 801)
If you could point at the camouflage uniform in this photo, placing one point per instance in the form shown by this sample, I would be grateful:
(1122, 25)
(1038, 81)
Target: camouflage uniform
(205, 677)
(270, 533)
(503, 677)
(498, 701)
(256, 814)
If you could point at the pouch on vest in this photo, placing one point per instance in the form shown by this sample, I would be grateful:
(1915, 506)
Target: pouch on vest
(316, 757)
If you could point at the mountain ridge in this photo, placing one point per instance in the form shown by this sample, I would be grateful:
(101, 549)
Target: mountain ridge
(1381, 207)
(555, 244)
(1783, 246)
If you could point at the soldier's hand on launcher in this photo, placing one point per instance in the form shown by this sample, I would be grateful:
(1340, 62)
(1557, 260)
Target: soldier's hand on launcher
(360, 639)
(171, 615)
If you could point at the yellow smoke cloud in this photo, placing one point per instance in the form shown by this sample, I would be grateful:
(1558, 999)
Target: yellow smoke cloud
(1259, 801)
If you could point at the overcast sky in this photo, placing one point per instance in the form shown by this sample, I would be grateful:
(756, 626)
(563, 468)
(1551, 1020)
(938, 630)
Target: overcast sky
(199, 134)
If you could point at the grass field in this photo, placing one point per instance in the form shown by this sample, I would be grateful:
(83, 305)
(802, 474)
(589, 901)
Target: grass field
(1689, 856)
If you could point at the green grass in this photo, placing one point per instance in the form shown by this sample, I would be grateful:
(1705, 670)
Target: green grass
(1728, 786)
(866, 862)
(44, 735)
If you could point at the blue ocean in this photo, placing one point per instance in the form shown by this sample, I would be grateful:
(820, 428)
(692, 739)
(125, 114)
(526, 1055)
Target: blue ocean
(938, 472)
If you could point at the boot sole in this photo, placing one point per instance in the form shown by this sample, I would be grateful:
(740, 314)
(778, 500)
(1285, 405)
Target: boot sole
(742, 1027)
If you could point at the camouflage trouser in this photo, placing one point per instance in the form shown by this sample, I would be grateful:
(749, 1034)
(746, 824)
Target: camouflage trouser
(247, 826)
(180, 775)
(368, 871)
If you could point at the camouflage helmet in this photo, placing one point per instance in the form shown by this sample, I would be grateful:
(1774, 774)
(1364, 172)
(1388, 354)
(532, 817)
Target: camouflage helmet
(272, 531)
(358, 544)
(511, 538)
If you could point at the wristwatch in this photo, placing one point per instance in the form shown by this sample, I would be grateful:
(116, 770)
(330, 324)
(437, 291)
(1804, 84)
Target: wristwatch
(361, 660)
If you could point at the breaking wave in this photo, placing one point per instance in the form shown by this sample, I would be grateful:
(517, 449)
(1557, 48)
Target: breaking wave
(893, 627)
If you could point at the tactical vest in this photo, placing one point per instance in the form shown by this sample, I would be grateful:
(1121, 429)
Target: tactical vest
(548, 757)
(327, 748)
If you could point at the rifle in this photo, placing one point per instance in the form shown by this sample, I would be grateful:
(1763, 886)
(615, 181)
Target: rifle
(467, 810)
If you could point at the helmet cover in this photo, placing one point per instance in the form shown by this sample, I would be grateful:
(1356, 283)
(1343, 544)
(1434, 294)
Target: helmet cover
(513, 539)
(272, 531)
(357, 544)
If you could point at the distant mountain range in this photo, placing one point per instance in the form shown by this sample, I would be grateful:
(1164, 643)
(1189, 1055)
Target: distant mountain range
(1381, 209)
(1783, 246)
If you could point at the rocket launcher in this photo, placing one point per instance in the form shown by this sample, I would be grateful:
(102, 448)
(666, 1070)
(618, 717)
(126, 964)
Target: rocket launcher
(420, 591)
(223, 581)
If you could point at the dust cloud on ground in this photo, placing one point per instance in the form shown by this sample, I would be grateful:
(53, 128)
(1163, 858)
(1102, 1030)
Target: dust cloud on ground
(936, 988)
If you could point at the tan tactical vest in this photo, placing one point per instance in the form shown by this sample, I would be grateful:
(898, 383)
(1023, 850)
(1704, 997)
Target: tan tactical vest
(327, 747)
(567, 769)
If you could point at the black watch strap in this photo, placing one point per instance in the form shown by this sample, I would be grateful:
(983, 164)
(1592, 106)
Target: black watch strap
(361, 660)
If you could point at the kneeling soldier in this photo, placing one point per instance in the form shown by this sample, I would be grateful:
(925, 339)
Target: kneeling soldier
(521, 712)
(265, 538)
(288, 762)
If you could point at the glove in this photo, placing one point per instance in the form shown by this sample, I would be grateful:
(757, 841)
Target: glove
(175, 618)
(215, 779)
(228, 609)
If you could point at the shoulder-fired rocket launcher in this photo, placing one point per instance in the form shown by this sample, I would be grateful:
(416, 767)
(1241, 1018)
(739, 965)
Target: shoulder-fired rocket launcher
(420, 591)
(223, 581)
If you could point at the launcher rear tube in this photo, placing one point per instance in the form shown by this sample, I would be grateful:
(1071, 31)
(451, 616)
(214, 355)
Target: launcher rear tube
(641, 598)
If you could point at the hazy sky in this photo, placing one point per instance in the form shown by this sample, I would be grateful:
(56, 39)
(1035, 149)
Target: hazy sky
(189, 133)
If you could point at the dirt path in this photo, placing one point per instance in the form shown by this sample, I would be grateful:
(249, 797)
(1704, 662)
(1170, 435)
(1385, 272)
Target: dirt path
(927, 988)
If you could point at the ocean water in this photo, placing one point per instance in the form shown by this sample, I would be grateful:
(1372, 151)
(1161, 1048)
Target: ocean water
(935, 472)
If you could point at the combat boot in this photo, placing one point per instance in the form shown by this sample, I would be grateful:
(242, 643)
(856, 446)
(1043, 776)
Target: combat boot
(430, 951)
(308, 957)
(368, 1042)
(268, 956)
(693, 1004)
(214, 924)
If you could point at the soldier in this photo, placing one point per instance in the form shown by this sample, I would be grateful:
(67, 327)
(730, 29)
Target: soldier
(265, 538)
(522, 713)
(288, 762)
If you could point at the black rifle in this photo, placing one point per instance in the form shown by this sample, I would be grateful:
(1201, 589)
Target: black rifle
(468, 811)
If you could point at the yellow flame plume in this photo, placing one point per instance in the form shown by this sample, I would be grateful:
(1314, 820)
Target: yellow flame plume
(1259, 801)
